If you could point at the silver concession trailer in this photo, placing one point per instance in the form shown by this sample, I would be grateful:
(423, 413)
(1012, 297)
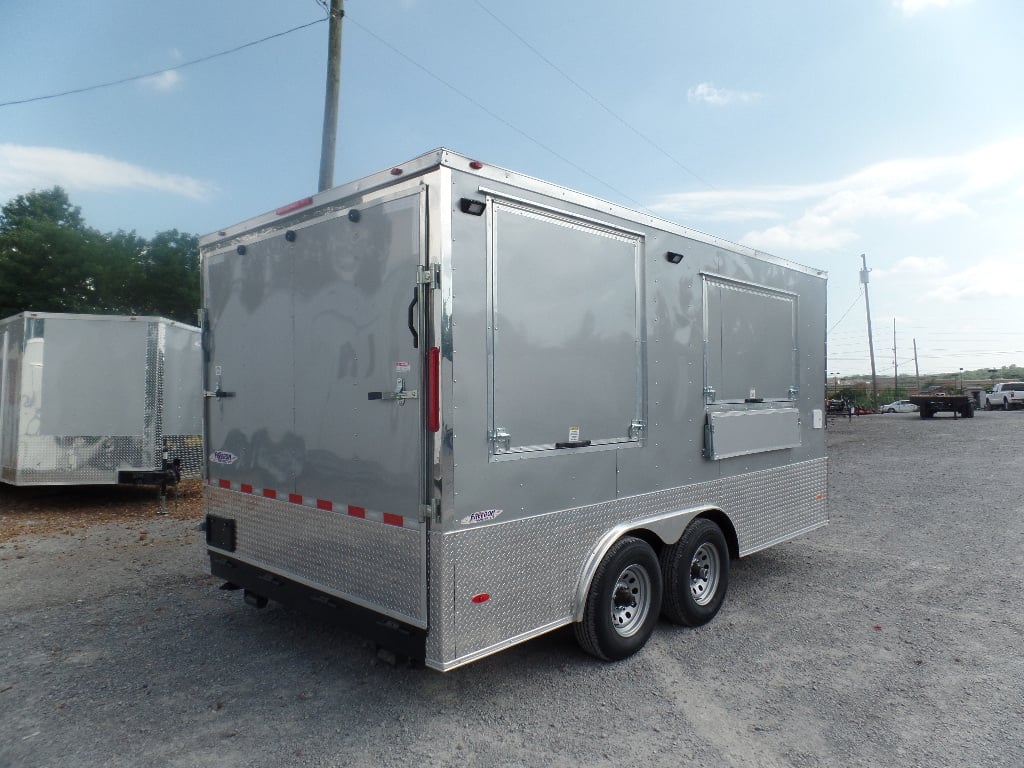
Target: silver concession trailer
(457, 407)
(93, 399)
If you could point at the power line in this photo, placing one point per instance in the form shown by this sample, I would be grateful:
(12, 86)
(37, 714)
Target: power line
(592, 97)
(495, 115)
(855, 303)
(161, 71)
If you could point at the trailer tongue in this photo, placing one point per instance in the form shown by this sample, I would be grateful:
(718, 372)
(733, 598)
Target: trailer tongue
(455, 407)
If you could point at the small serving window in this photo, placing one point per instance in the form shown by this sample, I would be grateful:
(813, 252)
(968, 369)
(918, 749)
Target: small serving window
(750, 349)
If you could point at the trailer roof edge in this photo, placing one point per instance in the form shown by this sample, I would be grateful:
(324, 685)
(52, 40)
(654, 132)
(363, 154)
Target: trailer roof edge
(442, 157)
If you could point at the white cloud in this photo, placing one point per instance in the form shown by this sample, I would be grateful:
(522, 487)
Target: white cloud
(988, 279)
(164, 81)
(820, 215)
(23, 169)
(707, 93)
(911, 7)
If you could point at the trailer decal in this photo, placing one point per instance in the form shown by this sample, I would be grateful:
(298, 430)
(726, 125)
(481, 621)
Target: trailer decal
(326, 505)
(223, 457)
(479, 517)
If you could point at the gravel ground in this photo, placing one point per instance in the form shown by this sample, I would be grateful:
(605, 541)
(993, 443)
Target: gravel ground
(893, 637)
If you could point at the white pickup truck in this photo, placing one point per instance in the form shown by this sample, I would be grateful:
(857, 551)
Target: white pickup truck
(1005, 395)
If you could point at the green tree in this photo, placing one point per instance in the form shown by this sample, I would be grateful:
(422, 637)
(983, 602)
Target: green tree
(46, 255)
(50, 261)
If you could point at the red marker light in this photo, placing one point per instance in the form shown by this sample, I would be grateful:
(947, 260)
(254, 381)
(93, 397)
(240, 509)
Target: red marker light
(294, 206)
(397, 171)
(483, 597)
(434, 389)
(476, 165)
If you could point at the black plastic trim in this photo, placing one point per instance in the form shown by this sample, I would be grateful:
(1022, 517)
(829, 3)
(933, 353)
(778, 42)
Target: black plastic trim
(396, 636)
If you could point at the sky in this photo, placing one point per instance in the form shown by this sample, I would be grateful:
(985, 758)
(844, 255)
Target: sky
(815, 131)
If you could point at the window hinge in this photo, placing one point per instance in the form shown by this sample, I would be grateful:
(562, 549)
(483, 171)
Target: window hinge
(501, 440)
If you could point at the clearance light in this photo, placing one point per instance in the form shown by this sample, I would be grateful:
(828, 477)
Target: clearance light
(397, 171)
(483, 597)
(291, 207)
(476, 165)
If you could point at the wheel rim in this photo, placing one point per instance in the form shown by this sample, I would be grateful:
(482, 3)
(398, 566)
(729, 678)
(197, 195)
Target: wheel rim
(705, 569)
(631, 600)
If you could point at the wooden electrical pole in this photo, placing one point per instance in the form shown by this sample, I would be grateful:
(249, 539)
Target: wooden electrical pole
(917, 369)
(330, 137)
(871, 342)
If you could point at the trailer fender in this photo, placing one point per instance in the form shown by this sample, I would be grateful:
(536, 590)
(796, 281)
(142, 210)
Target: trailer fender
(667, 526)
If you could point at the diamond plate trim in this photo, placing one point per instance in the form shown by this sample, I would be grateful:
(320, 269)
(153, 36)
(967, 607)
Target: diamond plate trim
(532, 568)
(359, 560)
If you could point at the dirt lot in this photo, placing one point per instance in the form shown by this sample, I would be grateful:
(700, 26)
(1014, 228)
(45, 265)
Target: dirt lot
(894, 637)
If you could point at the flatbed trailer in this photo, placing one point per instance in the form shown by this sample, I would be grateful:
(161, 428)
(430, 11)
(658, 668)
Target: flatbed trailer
(929, 405)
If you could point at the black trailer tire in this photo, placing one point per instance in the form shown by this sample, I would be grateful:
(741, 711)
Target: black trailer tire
(696, 572)
(623, 601)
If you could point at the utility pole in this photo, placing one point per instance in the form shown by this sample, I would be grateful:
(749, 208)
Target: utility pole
(917, 370)
(871, 342)
(330, 137)
(895, 364)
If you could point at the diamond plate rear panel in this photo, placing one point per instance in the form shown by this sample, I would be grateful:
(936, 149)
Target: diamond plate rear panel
(531, 568)
(365, 562)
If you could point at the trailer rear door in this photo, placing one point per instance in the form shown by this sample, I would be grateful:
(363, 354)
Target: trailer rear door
(314, 382)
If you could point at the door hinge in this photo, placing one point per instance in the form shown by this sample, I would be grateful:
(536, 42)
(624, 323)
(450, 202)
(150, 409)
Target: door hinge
(637, 430)
(431, 511)
(430, 275)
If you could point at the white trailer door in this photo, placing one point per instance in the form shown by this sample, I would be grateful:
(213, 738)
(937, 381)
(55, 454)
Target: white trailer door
(316, 347)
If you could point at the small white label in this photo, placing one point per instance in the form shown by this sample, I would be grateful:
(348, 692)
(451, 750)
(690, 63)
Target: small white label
(753, 393)
(223, 457)
(403, 367)
(574, 434)
(216, 370)
(480, 517)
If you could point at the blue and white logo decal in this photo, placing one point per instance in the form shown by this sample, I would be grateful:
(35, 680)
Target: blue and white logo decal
(479, 517)
(223, 457)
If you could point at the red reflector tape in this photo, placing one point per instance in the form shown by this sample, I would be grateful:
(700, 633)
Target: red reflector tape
(434, 389)
(325, 505)
(391, 519)
(224, 483)
(483, 597)
(356, 511)
(270, 493)
(291, 207)
(246, 488)
(295, 498)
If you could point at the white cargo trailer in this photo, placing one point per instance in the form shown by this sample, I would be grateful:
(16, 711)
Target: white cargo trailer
(457, 407)
(99, 399)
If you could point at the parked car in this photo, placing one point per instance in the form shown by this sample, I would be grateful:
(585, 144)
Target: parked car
(899, 406)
